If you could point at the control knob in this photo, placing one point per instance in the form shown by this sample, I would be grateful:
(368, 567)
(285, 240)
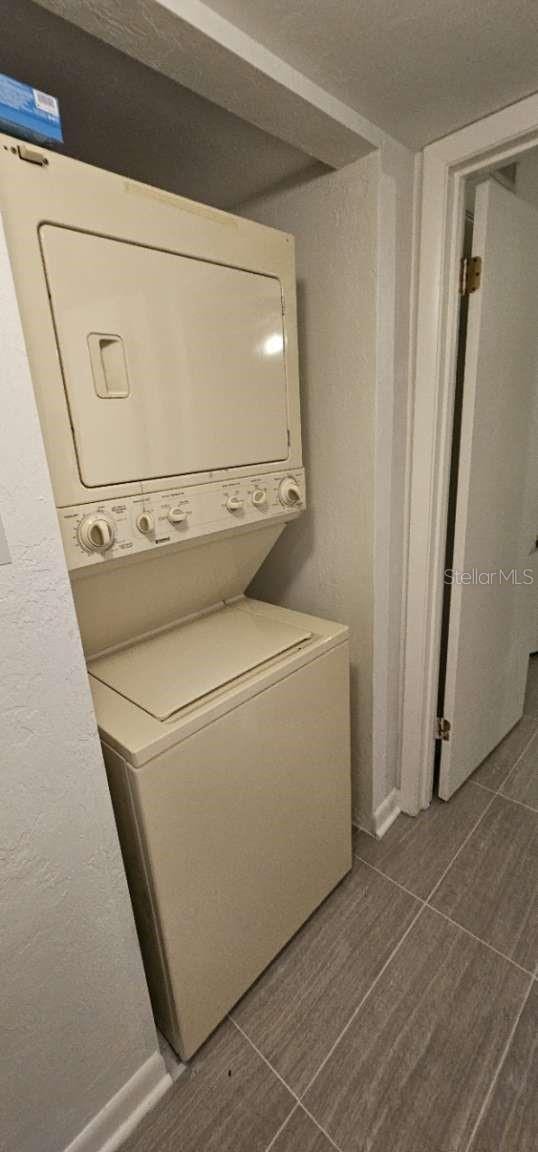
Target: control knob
(259, 497)
(289, 493)
(145, 523)
(234, 504)
(177, 515)
(97, 533)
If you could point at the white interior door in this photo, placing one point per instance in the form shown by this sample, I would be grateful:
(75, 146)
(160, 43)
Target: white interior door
(532, 521)
(490, 614)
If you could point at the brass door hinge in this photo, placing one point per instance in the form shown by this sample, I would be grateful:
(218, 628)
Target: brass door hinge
(470, 274)
(443, 729)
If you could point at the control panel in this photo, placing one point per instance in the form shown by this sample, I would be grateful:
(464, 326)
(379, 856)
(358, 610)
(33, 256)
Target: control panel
(95, 533)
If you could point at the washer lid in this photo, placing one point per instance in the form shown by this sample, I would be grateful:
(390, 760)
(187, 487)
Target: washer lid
(166, 672)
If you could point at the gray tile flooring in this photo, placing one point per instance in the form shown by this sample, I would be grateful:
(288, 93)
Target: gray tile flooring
(522, 784)
(531, 699)
(509, 1118)
(403, 1016)
(299, 1007)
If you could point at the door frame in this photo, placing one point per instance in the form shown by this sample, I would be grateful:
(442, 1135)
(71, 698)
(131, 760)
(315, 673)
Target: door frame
(479, 148)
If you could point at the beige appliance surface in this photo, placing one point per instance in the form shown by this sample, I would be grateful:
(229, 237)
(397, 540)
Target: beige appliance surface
(166, 672)
(161, 333)
(190, 580)
(162, 338)
(172, 365)
(140, 737)
(234, 834)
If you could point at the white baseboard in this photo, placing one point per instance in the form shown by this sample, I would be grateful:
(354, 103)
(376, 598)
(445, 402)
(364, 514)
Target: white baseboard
(380, 820)
(174, 1066)
(124, 1111)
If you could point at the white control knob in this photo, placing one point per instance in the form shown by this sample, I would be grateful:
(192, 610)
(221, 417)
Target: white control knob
(234, 504)
(289, 493)
(259, 497)
(145, 523)
(96, 533)
(177, 515)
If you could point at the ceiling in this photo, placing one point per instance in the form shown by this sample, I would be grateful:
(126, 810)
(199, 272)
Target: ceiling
(121, 115)
(418, 68)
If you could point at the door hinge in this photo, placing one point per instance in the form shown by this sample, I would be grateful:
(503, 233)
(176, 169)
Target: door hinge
(470, 274)
(442, 731)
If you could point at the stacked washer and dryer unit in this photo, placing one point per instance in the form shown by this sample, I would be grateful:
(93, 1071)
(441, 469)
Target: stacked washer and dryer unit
(162, 342)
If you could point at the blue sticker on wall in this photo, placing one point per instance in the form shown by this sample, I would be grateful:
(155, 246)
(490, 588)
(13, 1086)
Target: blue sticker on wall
(29, 113)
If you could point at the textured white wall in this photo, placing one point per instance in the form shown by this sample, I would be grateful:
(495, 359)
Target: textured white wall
(75, 1018)
(323, 563)
(121, 115)
(527, 176)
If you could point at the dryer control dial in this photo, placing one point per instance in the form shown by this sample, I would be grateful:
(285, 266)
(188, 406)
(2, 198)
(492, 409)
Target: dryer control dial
(145, 523)
(259, 497)
(289, 493)
(97, 533)
(177, 515)
(234, 504)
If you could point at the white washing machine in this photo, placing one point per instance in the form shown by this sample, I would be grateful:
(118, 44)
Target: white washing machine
(162, 341)
(233, 810)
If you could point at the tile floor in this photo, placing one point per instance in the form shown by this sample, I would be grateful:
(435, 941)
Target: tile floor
(403, 1017)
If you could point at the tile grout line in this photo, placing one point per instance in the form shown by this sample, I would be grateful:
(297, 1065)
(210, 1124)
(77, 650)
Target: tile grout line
(321, 1129)
(389, 878)
(298, 1103)
(498, 1070)
(423, 903)
(484, 787)
(493, 793)
(520, 803)
(479, 940)
(503, 796)
(445, 916)
(285, 1122)
(523, 753)
(426, 899)
(265, 1060)
(460, 849)
(513, 768)
(361, 1003)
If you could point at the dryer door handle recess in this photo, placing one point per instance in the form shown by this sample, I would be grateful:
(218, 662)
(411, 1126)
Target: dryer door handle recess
(109, 368)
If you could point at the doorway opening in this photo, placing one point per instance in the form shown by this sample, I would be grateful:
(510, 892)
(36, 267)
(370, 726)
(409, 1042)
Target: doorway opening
(489, 596)
(444, 515)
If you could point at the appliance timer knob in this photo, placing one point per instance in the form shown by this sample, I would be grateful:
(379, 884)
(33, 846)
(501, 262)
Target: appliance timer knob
(234, 504)
(145, 523)
(289, 493)
(259, 497)
(177, 515)
(97, 533)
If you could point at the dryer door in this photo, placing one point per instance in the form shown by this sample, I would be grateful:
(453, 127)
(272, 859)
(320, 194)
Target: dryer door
(172, 365)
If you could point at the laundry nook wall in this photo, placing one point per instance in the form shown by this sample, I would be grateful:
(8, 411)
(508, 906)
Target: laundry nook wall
(70, 961)
(325, 565)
